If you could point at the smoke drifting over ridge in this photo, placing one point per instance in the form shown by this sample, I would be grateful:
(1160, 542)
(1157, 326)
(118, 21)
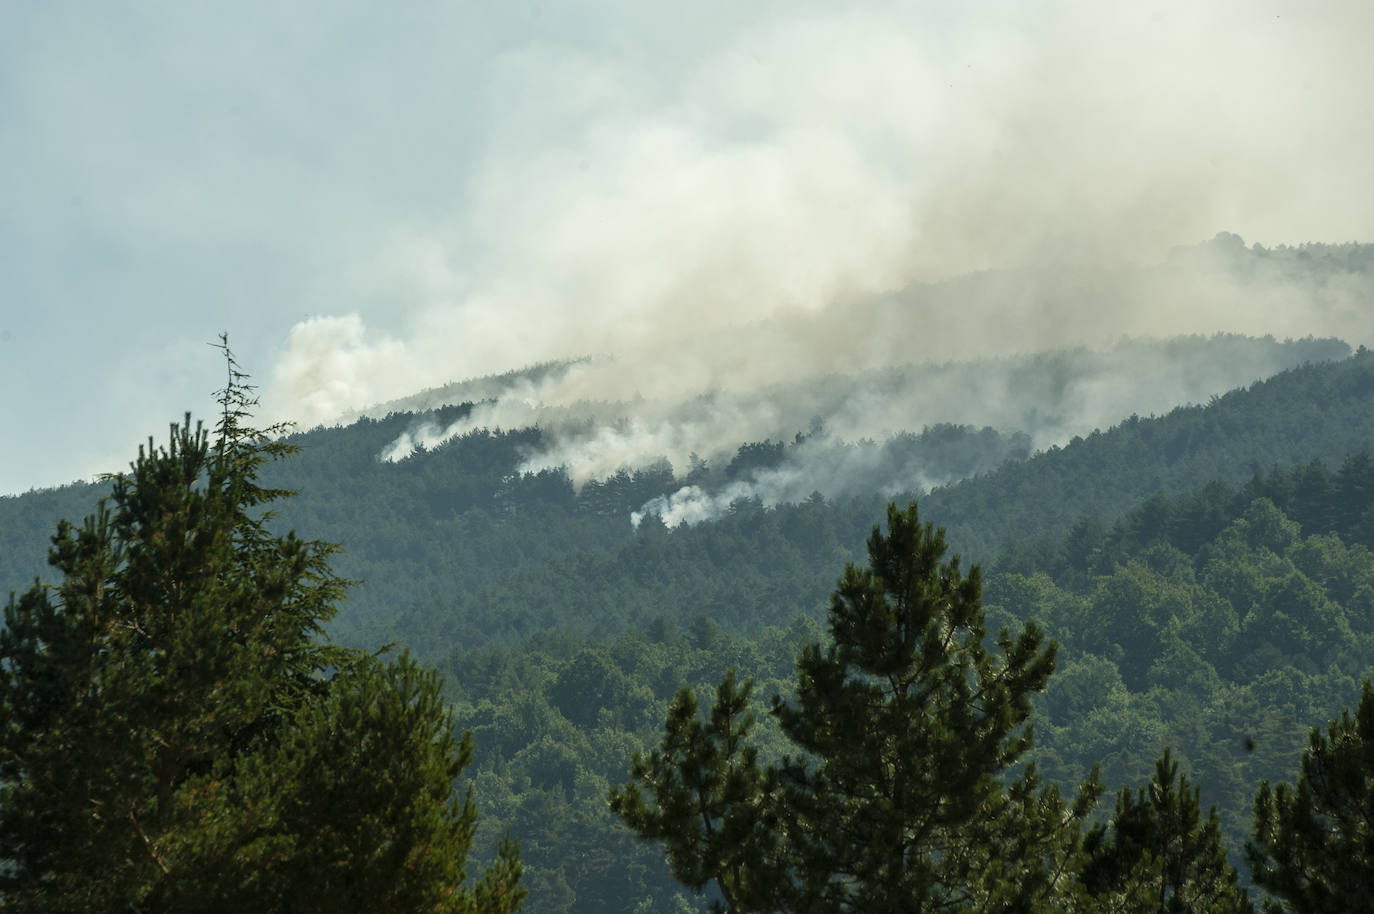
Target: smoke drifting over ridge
(771, 168)
(598, 423)
(717, 214)
(853, 432)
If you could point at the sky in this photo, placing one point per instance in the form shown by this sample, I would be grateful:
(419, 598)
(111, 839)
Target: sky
(374, 198)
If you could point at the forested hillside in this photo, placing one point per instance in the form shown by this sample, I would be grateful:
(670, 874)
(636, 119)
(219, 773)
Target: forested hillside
(455, 544)
(1215, 622)
(1314, 412)
(458, 551)
(1206, 571)
(1224, 622)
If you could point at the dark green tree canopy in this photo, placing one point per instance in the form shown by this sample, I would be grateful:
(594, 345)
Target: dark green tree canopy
(905, 792)
(1158, 855)
(176, 734)
(1314, 842)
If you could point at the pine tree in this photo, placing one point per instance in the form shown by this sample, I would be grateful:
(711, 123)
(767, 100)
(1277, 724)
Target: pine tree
(1314, 843)
(713, 805)
(158, 703)
(1157, 854)
(908, 791)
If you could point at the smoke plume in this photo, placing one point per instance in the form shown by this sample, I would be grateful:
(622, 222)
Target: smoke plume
(807, 214)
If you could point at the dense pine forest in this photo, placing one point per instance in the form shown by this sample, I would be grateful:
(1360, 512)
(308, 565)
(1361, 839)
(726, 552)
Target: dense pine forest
(1206, 574)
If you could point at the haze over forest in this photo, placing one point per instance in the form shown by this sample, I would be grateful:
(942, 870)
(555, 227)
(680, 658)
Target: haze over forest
(712, 199)
(856, 373)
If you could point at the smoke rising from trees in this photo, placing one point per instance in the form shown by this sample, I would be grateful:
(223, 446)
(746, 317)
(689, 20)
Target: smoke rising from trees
(721, 222)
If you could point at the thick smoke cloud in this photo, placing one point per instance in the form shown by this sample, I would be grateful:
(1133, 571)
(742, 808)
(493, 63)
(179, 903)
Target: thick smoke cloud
(727, 217)
(764, 170)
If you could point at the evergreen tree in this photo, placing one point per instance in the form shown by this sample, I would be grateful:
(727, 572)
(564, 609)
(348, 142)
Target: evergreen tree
(1157, 854)
(1314, 843)
(907, 793)
(176, 734)
(715, 809)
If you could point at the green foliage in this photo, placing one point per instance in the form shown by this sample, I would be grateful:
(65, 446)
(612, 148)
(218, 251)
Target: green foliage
(1157, 854)
(546, 778)
(1205, 688)
(1227, 653)
(1315, 412)
(1314, 843)
(905, 794)
(711, 808)
(587, 686)
(175, 734)
(368, 804)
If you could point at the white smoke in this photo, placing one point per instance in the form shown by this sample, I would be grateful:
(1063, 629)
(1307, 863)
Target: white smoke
(849, 429)
(691, 505)
(691, 199)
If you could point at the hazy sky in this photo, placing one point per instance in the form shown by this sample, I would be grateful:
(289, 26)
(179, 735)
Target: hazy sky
(373, 198)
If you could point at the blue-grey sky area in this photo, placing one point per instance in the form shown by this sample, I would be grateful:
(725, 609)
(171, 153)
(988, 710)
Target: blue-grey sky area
(376, 198)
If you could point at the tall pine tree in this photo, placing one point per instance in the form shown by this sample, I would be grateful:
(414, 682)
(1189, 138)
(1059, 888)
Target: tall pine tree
(908, 791)
(176, 734)
(1157, 855)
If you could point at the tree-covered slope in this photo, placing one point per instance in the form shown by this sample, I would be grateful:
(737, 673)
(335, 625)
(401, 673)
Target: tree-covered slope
(454, 544)
(572, 562)
(1224, 622)
(1313, 412)
(1213, 622)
